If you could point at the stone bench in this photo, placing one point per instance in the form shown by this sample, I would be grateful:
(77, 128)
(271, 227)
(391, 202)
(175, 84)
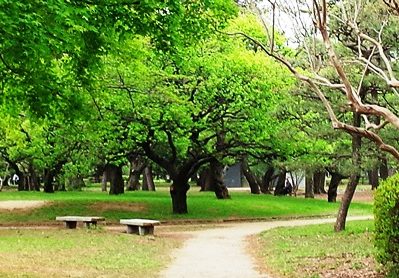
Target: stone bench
(71, 221)
(140, 226)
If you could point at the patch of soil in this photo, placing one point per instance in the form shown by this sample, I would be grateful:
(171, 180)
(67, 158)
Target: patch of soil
(342, 267)
(130, 207)
(360, 196)
(20, 205)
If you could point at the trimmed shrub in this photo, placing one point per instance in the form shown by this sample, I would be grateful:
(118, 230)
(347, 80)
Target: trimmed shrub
(386, 217)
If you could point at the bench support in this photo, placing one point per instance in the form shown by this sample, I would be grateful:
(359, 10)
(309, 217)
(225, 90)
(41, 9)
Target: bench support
(140, 230)
(70, 224)
(90, 224)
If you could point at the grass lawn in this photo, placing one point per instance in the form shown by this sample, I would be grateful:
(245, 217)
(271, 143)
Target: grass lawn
(82, 253)
(157, 205)
(316, 251)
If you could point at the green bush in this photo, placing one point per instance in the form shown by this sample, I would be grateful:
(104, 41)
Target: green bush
(386, 216)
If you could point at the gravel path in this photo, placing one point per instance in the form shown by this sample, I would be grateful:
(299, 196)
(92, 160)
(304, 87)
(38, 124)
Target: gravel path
(220, 252)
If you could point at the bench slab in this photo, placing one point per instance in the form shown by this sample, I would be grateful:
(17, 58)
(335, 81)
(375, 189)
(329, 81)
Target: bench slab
(71, 221)
(140, 226)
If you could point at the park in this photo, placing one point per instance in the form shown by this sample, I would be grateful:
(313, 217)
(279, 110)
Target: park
(200, 138)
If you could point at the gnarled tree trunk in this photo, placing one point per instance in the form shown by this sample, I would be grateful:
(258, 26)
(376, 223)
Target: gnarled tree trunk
(221, 190)
(178, 193)
(251, 178)
(136, 168)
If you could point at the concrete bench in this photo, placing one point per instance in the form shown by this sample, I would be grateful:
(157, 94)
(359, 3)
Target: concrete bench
(140, 226)
(71, 221)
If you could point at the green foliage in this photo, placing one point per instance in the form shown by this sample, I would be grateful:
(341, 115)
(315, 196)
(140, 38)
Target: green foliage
(386, 215)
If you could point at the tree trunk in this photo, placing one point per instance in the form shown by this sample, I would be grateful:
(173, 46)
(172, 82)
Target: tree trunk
(252, 181)
(221, 190)
(148, 180)
(104, 180)
(333, 187)
(279, 190)
(48, 185)
(267, 180)
(205, 180)
(309, 185)
(34, 183)
(319, 179)
(373, 177)
(384, 173)
(354, 178)
(136, 168)
(116, 179)
(178, 193)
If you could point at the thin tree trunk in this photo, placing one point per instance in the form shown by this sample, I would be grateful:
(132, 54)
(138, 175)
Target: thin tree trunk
(251, 178)
(373, 177)
(354, 178)
(104, 180)
(279, 190)
(116, 179)
(148, 180)
(309, 185)
(384, 173)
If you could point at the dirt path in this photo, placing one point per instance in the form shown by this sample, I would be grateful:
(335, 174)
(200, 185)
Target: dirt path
(220, 252)
(11, 205)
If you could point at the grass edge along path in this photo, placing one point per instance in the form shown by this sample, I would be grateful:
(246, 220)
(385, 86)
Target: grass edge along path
(203, 206)
(317, 251)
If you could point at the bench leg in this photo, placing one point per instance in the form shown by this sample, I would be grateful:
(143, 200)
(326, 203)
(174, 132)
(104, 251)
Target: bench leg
(146, 230)
(132, 229)
(91, 224)
(70, 224)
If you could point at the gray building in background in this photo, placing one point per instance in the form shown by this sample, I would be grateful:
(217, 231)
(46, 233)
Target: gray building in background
(233, 176)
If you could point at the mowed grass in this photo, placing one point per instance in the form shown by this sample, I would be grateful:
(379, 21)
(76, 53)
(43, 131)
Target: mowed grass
(82, 253)
(317, 251)
(157, 205)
